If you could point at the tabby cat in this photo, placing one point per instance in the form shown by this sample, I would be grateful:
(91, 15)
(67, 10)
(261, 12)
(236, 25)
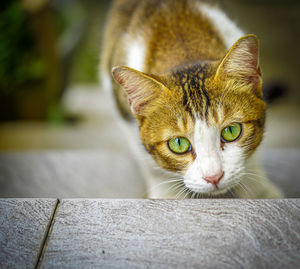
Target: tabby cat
(187, 81)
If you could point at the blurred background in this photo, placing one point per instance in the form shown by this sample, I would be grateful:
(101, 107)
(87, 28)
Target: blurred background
(58, 132)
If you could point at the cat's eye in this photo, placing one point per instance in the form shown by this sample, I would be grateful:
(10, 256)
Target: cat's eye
(179, 145)
(231, 132)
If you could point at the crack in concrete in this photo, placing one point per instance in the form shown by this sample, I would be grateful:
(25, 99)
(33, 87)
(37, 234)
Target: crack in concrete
(46, 237)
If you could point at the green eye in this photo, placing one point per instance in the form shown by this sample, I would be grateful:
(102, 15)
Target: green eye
(179, 145)
(231, 132)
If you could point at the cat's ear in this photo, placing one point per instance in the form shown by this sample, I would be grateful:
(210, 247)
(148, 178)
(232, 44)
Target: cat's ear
(141, 88)
(241, 62)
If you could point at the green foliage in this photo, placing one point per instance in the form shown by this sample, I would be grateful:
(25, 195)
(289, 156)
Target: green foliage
(19, 61)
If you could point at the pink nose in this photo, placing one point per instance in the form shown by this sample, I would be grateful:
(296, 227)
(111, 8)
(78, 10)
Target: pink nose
(215, 179)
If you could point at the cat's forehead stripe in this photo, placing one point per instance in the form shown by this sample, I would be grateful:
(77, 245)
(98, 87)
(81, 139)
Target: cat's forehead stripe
(195, 98)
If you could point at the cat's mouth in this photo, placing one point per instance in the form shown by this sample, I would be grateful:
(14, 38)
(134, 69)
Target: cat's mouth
(204, 189)
(212, 189)
(216, 192)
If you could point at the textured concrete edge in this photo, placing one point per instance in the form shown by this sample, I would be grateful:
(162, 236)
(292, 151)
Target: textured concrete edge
(61, 200)
(47, 234)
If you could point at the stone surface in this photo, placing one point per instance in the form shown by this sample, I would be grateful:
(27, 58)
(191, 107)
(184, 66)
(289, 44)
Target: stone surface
(89, 174)
(23, 226)
(175, 234)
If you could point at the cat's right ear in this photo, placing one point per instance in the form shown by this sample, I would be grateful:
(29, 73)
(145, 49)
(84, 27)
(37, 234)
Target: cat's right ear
(141, 88)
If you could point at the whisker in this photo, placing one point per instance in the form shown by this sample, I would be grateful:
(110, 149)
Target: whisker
(180, 193)
(163, 183)
(255, 180)
(256, 175)
(244, 188)
(232, 193)
(187, 193)
(174, 187)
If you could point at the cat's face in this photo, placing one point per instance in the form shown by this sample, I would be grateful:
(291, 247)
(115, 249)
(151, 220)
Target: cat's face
(204, 131)
(201, 120)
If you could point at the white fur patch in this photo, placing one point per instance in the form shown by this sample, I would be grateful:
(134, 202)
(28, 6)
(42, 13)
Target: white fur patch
(230, 33)
(106, 83)
(210, 160)
(135, 52)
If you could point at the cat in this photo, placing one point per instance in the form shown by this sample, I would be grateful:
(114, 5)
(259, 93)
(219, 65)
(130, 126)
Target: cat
(187, 82)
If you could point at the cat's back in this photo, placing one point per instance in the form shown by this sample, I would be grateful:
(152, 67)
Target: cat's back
(153, 36)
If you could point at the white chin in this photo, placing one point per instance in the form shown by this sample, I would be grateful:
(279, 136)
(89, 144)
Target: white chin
(210, 190)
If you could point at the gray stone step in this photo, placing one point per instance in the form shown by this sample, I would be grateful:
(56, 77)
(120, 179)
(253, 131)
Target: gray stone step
(138, 233)
(24, 225)
(175, 234)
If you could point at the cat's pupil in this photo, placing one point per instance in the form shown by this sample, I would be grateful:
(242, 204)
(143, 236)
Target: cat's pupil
(230, 129)
(178, 141)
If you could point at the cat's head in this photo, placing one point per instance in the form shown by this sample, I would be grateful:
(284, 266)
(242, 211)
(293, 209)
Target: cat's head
(202, 119)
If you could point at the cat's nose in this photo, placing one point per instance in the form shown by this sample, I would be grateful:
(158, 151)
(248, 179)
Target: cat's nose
(214, 179)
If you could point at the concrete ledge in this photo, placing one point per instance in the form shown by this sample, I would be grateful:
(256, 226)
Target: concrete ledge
(24, 225)
(175, 234)
(109, 233)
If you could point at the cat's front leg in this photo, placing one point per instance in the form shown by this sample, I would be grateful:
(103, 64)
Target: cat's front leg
(271, 191)
(255, 183)
(261, 189)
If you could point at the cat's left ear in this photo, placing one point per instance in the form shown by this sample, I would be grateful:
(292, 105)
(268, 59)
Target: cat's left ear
(242, 63)
(142, 89)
